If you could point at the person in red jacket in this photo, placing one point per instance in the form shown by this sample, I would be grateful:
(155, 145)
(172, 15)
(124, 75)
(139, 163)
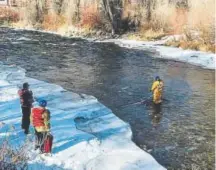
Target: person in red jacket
(26, 100)
(40, 119)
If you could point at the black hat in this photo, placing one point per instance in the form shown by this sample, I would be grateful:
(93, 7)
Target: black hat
(157, 78)
(25, 85)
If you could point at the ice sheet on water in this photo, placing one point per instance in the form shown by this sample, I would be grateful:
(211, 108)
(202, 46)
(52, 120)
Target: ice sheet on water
(87, 135)
(204, 59)
(23, 39)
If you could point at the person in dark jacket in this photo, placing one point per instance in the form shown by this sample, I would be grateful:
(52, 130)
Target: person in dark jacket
(26, 100)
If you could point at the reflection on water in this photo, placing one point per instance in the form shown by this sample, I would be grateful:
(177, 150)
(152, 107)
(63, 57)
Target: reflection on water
(180, 135)
(156, 114)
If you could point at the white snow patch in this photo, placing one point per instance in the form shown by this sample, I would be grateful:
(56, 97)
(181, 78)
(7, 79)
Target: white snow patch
(87, 135)
(23, 39)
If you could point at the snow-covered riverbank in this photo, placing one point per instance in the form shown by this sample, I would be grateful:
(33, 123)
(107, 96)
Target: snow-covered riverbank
(87, 135)
(203, 59)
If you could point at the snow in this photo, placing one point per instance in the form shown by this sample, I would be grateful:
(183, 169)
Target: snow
(23, 39)
(87, 135)
(203, 59)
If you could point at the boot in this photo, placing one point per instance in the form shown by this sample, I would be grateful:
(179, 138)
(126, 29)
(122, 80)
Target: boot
(26, 131)
(36, 147)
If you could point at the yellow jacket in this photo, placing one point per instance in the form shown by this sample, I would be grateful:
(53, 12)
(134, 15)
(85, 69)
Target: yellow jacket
(157, 88)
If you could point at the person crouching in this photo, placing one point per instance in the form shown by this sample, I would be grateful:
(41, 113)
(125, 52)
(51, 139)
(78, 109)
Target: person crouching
(40, 119)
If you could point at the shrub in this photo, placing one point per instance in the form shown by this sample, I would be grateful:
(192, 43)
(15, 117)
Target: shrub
(53, 22)
(8, 14)
(90, 17)
(12, 158)
(193, 44)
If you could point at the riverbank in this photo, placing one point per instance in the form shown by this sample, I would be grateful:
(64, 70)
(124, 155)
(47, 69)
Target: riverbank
(199, 58)
(131, 20)
(87, 135)
(204, 59)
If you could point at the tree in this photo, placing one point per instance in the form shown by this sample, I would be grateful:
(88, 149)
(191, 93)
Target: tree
(113, 11)
(77, 11)
(180, 3)
(40, 6)
(149, 10)
(57, 6)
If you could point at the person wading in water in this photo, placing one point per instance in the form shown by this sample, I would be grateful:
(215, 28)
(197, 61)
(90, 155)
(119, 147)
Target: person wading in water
(157, 89)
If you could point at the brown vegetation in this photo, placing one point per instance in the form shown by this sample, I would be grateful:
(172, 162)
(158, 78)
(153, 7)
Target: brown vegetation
(8, 14)
(143, 19)
(198, 26)
(90, 17)
(12, 158)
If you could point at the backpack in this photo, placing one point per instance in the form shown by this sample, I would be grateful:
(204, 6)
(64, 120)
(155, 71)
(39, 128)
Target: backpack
(26, 98)
(47, 147)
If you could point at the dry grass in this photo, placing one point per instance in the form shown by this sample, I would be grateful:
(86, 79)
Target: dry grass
(163, 17)
(32, 13)
(69, 12)
(166, 20)
(196, 22)
(83, 15)
(8, 14)
(12, 158)
(147, 34)
(199, 27)
(90, 17)
(53, 22)
(194, 45)
(201, 13)
(159, 25)
(201, 19)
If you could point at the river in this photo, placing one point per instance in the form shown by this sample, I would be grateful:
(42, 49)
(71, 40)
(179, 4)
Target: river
(180, 136)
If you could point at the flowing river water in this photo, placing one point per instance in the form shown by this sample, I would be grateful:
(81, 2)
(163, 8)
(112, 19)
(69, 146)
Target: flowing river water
(180, 136)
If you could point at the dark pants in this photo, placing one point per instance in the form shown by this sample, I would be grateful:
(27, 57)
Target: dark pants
(157, 108)
(26, 111)
(39, 140)
(156, 115)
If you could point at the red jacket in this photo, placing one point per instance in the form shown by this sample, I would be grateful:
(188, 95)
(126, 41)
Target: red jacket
(37, 118)
(40, 118)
